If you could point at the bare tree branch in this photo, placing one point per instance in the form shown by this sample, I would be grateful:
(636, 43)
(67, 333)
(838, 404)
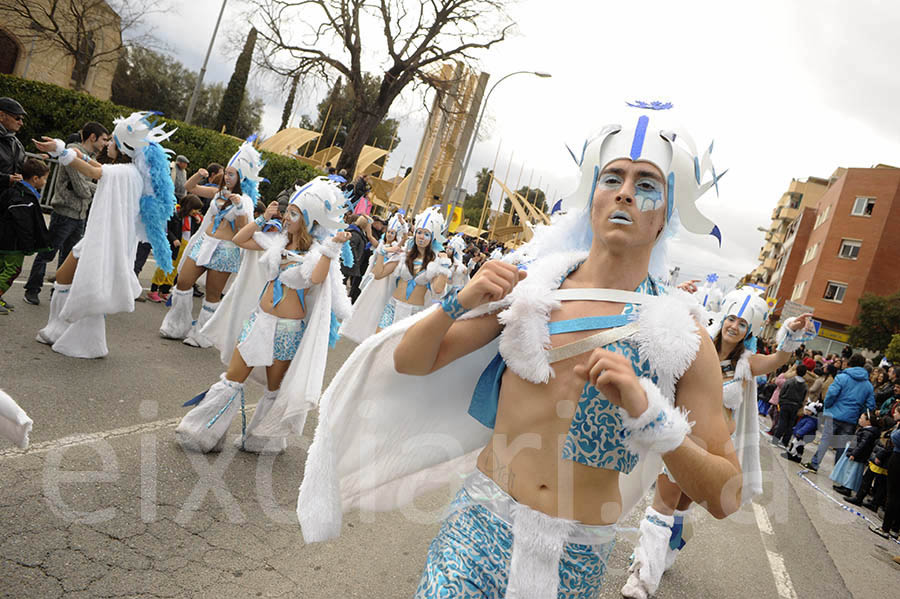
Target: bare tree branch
(324, 38)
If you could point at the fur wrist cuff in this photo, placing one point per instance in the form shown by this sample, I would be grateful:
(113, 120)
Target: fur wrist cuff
(66, 157)
(789, 340)
(330, 248)
(435, 269)
(60, 148)
(660, 429)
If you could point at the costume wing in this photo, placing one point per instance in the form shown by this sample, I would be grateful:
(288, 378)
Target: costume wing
(105, 282)
(384, 438)
(15, 424)
(368, 309)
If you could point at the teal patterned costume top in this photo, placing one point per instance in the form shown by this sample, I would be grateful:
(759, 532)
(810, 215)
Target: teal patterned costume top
(593, 438)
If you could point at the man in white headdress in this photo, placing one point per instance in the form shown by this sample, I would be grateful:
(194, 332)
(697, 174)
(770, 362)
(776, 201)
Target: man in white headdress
(564, 429)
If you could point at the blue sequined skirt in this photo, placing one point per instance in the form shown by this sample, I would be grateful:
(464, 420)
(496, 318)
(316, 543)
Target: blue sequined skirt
(288, 335)
(225, 258)
(471, 555)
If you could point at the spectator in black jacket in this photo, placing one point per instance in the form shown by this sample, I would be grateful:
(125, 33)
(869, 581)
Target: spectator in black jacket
(790, 400)
(359, 237)
(22, 227)
(875, 477)
(12, 152)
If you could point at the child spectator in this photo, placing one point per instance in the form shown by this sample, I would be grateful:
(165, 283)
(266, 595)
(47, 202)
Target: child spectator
(804, 430)
(890, 527)
(874, 479)
(848, 472)
(181, 227)
(22, 227)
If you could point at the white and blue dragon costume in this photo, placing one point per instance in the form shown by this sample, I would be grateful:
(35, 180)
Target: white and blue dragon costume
(261, 337)
(133, 202)
(212, 253)
(384, 438)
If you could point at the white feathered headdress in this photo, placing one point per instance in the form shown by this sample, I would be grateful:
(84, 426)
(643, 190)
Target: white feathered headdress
(136, 132)
(321, 201)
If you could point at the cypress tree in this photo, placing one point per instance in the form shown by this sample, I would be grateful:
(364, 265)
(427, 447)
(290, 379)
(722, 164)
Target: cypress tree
(289, 105)
(234, 93)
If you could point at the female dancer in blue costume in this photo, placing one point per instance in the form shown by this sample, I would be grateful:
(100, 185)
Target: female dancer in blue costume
(212, 250)
(423, 271)
(734, 333)
(293, 306)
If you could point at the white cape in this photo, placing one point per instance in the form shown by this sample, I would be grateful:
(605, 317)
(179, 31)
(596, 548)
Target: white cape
(15, 425)
(384, 438)
(746, 433)
(370, 304)
(302, 385)
(104, 281)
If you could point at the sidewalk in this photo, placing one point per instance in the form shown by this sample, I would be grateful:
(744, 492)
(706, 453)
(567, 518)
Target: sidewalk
(862, 558)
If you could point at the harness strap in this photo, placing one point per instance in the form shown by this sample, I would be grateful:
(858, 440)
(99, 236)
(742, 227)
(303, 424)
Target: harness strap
(591, 343)
(588, 323)
(601, 295)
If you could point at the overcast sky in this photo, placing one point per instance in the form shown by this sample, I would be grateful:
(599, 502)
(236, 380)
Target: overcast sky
(787, 88)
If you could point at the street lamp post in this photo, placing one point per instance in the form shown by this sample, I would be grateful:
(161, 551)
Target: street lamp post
(193, 103)
(465, 167)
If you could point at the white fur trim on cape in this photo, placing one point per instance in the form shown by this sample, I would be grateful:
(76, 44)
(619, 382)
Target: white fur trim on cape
(15, 425)
(788, 340)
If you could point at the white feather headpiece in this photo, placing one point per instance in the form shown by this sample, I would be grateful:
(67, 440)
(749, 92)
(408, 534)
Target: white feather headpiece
(321, 201)
(136, 132)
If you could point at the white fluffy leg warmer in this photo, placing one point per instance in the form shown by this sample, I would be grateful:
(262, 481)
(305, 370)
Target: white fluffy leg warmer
(203, 428)
(649, 556)
(682, 518)
(84, 338)
(178, 320)
(195, 338)
(254, 443)
(56, 326)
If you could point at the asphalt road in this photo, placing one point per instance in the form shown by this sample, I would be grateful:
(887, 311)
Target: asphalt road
(105, 504)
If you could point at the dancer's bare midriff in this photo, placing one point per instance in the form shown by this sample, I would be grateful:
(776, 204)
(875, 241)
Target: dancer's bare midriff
(524, 455)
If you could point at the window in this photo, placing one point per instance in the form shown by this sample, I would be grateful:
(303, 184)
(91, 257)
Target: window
(798, 290)
(796, 199)
(850, 249)
(834, 292)
(822, 217)
(810, 253)
(863, 206)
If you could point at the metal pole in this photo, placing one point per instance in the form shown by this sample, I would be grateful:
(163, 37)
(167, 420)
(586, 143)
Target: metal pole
(465, 168)
(193, 104)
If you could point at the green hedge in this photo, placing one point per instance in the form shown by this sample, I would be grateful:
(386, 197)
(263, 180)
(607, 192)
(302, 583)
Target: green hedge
(58, 112)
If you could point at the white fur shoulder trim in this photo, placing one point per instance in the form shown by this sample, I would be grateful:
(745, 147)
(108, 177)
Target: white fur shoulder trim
(668, 336)
(525, 339)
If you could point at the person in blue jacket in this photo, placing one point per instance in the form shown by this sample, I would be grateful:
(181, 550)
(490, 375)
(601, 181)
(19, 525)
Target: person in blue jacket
(849, 395)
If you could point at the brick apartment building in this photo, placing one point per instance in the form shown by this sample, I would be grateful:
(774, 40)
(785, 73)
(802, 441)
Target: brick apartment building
(847, 246)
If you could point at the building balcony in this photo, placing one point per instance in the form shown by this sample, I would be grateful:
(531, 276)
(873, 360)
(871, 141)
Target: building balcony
(769, 264)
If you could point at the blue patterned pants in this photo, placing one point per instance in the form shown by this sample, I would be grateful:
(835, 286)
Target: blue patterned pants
(471, 556)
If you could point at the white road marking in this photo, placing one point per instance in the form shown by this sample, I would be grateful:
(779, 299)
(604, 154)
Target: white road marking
(779, 571)
(87, 438)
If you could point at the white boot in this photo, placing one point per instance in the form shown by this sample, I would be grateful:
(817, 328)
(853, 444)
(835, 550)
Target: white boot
(195, 338)
(649, 555)
(203, 429)
(84, 338)
(56, 326)
(178, 320)
(681, 532)
(256, 443)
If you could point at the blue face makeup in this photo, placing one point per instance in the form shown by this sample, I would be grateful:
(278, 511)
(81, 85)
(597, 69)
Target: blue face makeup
(293, 216)
(648, 195)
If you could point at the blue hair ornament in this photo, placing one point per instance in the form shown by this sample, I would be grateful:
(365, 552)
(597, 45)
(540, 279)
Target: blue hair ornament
(251, 188)
(750, 344)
